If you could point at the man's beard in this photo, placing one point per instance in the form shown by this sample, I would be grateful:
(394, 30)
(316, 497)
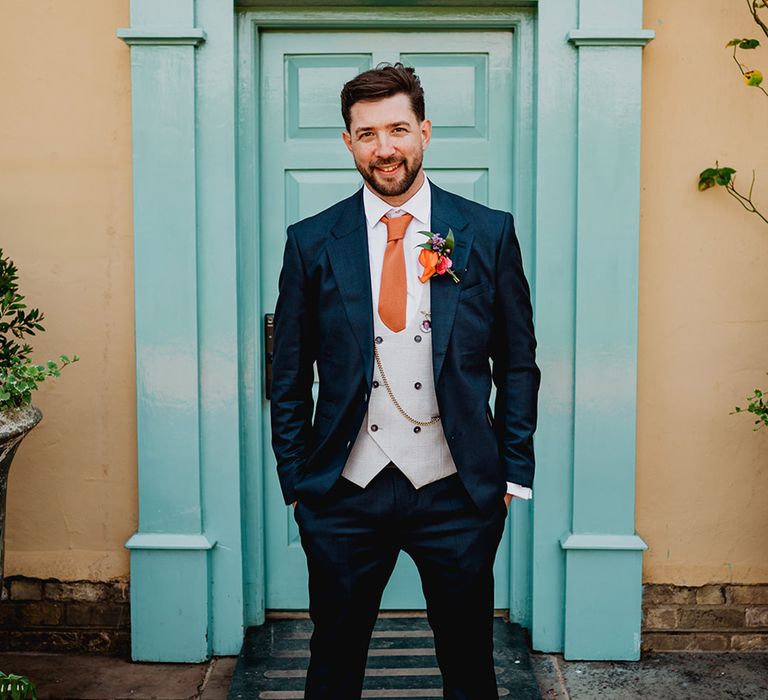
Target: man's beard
(392, 188)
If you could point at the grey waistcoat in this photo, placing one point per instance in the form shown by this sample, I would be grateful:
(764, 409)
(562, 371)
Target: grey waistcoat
(386, 435)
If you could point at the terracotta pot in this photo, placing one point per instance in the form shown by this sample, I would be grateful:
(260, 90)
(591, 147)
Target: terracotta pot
(15, 423)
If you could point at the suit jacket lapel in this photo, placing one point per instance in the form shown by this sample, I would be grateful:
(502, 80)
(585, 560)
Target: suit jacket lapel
(348, 253)
(444, 291)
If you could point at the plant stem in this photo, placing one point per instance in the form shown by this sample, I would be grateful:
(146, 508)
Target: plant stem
(745, 201)
(753, 6)
(743, 72)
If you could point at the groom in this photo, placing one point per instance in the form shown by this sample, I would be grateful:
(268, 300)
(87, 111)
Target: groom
(403, 452)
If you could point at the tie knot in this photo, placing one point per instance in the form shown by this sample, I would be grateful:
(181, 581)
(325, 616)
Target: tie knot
(396, 227)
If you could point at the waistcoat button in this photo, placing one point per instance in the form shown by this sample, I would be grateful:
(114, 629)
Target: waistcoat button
(374, 427)
(379, 339)
(375, 384)
(417, 385)
(417, 429)
(417, 338)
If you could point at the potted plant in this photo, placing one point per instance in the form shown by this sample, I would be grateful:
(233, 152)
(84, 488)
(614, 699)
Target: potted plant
(19, 377)
(16, 687)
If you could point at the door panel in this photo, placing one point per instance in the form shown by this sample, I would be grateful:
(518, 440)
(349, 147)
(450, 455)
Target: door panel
(305, 167)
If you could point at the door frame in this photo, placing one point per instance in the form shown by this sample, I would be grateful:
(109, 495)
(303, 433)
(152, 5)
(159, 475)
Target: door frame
(251, 24)
(199, 368)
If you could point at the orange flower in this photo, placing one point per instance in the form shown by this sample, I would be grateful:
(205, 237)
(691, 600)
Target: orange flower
(428, 258)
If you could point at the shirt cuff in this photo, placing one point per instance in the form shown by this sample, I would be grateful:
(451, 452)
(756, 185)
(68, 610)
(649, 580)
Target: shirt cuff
(519, 491)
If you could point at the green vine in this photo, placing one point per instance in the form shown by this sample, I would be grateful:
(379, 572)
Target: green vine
(725, 177)
(758, 407)
(19, 377)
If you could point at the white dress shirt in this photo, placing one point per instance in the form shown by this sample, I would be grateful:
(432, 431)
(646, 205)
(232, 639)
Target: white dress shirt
(420, 207)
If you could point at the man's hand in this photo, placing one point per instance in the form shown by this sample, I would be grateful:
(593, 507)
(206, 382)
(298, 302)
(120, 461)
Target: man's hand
(294, 503)
(508, 499)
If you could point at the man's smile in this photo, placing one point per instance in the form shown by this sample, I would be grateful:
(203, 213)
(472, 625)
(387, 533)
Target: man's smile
(388, 168)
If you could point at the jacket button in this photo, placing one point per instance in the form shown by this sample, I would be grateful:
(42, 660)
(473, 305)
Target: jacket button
(417, 338)
(374, 427)
(379, 339)
(417, 429)
(417, 385)
(375, 384)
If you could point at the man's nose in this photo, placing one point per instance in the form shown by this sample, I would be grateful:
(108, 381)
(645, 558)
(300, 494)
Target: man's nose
(384, 148)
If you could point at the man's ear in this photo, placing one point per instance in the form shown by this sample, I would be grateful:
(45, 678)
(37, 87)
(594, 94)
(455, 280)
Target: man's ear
(426, 132)
(347, 140)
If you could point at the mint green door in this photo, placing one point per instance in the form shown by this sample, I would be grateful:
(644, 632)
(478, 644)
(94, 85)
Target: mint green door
(304, 167)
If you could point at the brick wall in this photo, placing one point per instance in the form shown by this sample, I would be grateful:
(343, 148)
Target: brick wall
(85, 616)
(51, 615)
(717, 617)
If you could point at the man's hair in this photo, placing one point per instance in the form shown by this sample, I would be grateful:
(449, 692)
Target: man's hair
(383, 81)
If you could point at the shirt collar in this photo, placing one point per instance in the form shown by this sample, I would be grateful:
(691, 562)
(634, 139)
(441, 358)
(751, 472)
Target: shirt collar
(418, 205)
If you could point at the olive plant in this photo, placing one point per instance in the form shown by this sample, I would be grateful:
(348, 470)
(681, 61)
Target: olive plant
(19, 376)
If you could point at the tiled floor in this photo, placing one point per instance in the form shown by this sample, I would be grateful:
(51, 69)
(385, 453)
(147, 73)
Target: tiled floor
(401, 661)
(656, 676)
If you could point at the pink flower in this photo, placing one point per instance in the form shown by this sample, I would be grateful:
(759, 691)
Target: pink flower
(443, 264)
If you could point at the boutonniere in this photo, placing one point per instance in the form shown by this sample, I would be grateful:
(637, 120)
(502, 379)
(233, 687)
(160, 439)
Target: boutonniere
(435, 256)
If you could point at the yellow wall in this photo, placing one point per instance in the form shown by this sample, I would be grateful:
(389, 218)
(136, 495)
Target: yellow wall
(702, 474)
(65, 193)
(65, 202)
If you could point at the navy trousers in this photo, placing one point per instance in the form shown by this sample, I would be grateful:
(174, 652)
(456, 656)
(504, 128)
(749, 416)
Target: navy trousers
(352, 537)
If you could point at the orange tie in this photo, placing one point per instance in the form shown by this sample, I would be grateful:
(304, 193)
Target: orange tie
(392, 294)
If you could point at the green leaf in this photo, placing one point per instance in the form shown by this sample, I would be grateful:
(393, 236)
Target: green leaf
(749, 44)
(705, 184)
(753, 78)
(723, 179)
(733, 42)
(449, 241)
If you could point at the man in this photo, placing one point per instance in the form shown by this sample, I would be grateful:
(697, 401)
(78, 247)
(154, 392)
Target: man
(403, 453)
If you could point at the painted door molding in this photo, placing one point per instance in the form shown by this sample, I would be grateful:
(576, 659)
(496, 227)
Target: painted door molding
(199, 369)
(481, 147)
(186, 563)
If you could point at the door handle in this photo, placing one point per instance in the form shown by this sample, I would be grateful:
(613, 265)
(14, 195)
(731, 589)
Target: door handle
(269, 334)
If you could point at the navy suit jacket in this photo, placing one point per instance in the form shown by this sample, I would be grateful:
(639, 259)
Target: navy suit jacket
(324, 314)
